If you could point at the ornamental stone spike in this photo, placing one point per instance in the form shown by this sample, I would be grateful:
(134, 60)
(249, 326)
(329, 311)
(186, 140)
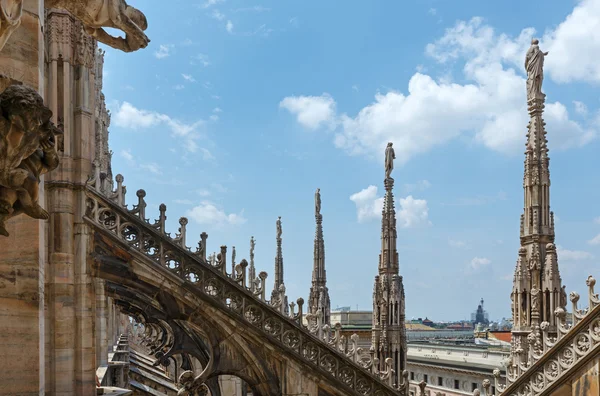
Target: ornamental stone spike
(388, 335)
(252, 269)
(278, 281)
(319, 294)
(537, 282)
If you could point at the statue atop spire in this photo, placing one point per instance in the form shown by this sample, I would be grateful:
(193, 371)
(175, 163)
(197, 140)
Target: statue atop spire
(388, 335)
(318, 300)
(318, 202)
(537, 286)
(252, 268)
(390, 156)
(278, 293)
(534, 65)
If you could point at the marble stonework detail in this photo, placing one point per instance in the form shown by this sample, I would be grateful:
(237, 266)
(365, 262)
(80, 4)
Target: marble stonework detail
(97, 15)
(388, 335)
(10, 19)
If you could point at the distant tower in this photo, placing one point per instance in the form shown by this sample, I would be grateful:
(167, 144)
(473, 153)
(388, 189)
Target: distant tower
(278, 282)
(537, 290)
(319, 294)
(389, 332)
(480, 315)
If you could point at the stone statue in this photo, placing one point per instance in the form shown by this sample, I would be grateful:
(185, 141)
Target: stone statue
(534, 65)
(563, 297)
(535, 299)
(24, 124)
(99, 14)
(252, 244)
(318, 202)
(10, 19)
(390, 156)
(24, 199)
(279, 227)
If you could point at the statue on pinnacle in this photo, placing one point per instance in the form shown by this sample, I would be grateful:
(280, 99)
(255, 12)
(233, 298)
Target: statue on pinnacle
(278, 224)
(390, 156)
(534, 65)
(318, 202)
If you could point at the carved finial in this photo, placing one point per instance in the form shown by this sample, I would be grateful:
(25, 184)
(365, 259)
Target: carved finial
(318, 202)
(534, 66)
(390, 156)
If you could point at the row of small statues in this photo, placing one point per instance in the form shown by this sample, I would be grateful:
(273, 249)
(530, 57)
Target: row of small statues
(96, 15)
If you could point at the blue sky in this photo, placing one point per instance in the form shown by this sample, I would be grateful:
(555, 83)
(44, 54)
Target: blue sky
(238, 110)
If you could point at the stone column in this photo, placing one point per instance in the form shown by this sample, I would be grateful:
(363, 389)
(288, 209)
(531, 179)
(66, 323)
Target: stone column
(23, 254)
(71, 294)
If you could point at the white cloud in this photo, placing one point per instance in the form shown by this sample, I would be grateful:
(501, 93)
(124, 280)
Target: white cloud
(580, 107)
(208, 213)
(368, 204)
(479, 262)
(218, 15)
(595, 241)
(597, 220)
(217, 110)
(163, 51)
(572, 255)
(229, 26)
(413, 213)
(183, 201)
(203, 59)
(573, 45)
(311, 111)
(210, 3)
(127, 155)
(203, 192)
(179, 87)
(490, 108)
(152, 167)
(355, 88)
(457, 244)
(188, 77)
(421, 185)
(256, 8)
(130, 117)
(432, 11)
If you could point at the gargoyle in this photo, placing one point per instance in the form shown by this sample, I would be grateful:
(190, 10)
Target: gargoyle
(98, 14)
(10, 19)
(27, 150)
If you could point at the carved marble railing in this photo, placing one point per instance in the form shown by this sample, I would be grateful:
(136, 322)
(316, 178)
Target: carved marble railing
(322, 348)
(551, 360)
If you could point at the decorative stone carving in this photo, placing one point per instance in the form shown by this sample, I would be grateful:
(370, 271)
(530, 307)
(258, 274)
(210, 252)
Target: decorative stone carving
(10, 19)
(27, 150)
(390, 156)
(278, 224)
(117, 14)
(318, 202)
(534, 65)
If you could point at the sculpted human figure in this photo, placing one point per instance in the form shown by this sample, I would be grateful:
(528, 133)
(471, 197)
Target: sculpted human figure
(534, 65)
(99, 14)
(318, 202)
(24, 198)
(278, 224)
(10, 19)
(24, 124)
(390, 156)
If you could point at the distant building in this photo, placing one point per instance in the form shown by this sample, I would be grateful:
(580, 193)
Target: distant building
(480, 315)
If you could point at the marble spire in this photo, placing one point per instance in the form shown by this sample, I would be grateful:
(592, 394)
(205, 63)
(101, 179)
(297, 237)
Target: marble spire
(388, 337)
(537, 286)
(252, 268)
(278, 283)
(319, 294)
